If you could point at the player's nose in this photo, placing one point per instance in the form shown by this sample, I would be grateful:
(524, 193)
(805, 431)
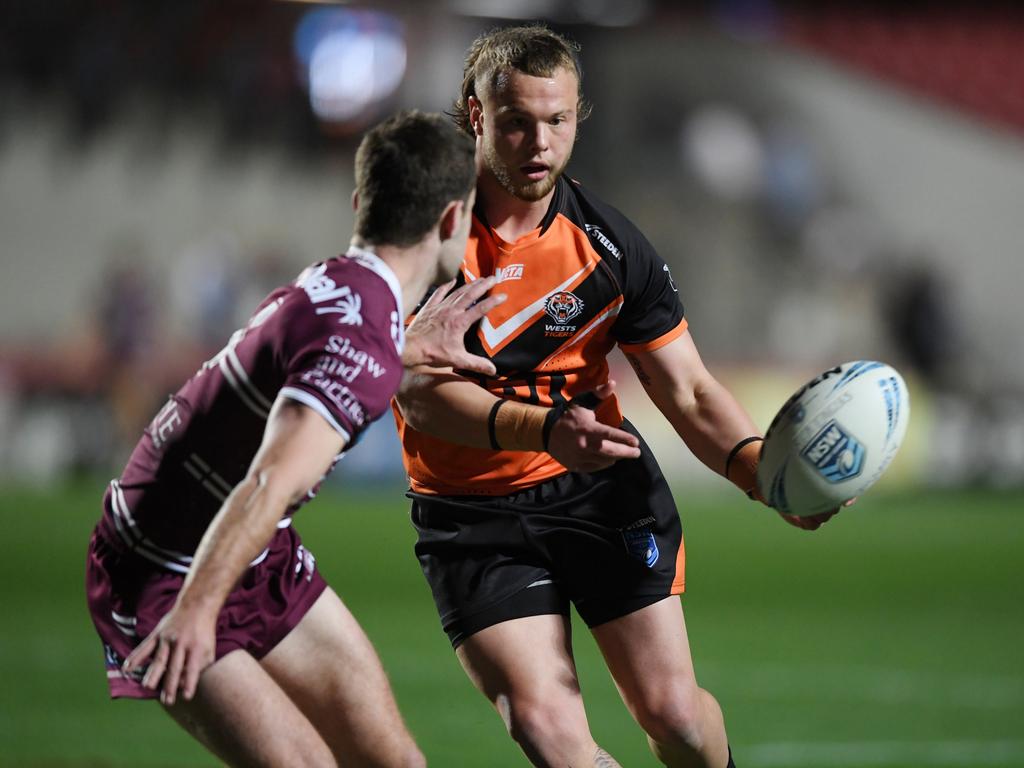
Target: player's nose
(541, 137)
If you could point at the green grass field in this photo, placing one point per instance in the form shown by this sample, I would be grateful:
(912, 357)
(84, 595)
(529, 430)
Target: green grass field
(893, 637)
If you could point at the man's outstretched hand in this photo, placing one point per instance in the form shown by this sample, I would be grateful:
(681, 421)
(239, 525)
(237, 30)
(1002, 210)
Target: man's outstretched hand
(581, 443)
(435, 336)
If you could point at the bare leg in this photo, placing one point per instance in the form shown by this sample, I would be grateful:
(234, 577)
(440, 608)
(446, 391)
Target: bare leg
(241, 715)
(525, 667)
(330, 670)
(648, 654)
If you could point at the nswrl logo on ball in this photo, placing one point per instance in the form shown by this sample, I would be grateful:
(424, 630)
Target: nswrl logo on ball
(835, 453)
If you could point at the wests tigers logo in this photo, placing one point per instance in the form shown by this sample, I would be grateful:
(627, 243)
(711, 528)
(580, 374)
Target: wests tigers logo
(563, 306)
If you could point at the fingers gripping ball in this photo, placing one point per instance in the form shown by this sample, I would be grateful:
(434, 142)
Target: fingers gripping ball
(834, 438)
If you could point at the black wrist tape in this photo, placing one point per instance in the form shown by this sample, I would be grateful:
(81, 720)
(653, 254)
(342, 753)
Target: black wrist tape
(584, 400)
(554, 415)
(490, 424)
(736, 449)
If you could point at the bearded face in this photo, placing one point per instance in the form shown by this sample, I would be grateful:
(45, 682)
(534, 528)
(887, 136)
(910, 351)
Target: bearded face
(527, 128)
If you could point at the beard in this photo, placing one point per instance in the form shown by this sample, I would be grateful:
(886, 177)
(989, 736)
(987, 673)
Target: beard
(531, 191)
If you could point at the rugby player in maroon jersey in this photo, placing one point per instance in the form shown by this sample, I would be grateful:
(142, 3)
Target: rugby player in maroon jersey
(521, 505)
(198, 584)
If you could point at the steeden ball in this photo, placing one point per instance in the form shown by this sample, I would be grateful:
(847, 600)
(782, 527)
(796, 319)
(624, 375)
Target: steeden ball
(834, 438)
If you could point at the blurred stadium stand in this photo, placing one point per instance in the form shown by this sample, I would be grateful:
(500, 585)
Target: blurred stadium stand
(828, 181)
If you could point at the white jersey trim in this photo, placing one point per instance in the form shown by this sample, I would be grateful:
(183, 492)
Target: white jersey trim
(126, 624)
(243, 377)
(304, 397)
(237, 378)
(376, 264)
(137, 542)
(211, 481)
(495, 336)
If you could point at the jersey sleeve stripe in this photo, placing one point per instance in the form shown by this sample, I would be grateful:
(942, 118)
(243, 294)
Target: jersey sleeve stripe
(661, 341)
(300, 395)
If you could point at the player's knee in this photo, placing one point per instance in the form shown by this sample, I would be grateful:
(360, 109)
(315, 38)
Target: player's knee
(544, 726)
(673, 719)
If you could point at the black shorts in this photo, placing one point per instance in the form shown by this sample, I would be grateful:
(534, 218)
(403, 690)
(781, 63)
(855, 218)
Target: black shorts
(610, 542)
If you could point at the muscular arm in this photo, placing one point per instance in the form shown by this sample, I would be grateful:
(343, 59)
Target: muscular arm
(452, 408)
(298, 447)
(439, 402)
(700, 409)
(703, 412)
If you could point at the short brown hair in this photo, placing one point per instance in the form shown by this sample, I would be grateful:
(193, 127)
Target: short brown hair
(533, 50)
(408, 168)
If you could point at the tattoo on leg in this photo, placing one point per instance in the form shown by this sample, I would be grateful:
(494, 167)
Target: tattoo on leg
(603, 760)
(640, 372)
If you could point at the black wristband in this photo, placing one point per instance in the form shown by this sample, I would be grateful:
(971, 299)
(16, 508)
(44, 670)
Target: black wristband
(490, 423)
(554, 415)
(584, 400)
(736, 449)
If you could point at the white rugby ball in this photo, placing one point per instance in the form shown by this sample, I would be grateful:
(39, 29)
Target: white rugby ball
(833, 438)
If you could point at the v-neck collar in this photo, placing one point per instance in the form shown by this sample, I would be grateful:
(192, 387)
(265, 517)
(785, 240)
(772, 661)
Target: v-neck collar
(554, 207)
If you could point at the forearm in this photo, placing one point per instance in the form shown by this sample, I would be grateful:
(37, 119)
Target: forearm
(457, 410)
(712, 423)
(703, 412)
(236, 536)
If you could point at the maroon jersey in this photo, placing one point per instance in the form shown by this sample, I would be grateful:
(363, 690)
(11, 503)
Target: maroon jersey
(331, 341)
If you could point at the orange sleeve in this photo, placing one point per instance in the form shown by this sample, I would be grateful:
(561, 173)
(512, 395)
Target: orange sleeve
(661, 341)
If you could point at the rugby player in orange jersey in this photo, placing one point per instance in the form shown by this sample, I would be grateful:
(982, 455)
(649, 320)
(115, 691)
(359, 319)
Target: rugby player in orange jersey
(521, 501)
(197, 583)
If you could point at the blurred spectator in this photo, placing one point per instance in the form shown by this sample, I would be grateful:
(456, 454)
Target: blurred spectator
(923, 318)
(206, 289)
(217, 285)
(126, 324)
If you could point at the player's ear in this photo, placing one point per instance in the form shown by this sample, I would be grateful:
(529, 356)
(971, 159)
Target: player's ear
(450, 218)
(476, 115)
(355, 200)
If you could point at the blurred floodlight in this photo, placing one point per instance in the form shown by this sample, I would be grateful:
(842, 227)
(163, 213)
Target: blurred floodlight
(352, 60)
(503, 9)
(613, 13)
(723, 149)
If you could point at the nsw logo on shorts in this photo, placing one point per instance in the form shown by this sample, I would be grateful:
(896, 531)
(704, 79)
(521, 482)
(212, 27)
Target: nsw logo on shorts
(640, 542)
(835, 453)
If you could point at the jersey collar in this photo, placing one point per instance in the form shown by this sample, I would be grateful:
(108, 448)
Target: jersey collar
(375, 263)
(554, 207)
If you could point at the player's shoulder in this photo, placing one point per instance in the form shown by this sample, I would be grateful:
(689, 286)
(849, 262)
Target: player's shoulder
(608, 227)
(352, 293)
(350, 274)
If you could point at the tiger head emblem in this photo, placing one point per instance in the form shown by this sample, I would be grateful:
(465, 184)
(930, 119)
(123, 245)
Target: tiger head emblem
(563, 306)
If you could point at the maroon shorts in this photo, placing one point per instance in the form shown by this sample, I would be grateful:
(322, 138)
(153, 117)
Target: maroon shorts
(129, 595)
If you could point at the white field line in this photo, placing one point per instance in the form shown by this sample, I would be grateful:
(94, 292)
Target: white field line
(882, 753)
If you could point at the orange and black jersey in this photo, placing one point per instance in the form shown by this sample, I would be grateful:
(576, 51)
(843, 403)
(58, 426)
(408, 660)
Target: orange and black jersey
(585, 280)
